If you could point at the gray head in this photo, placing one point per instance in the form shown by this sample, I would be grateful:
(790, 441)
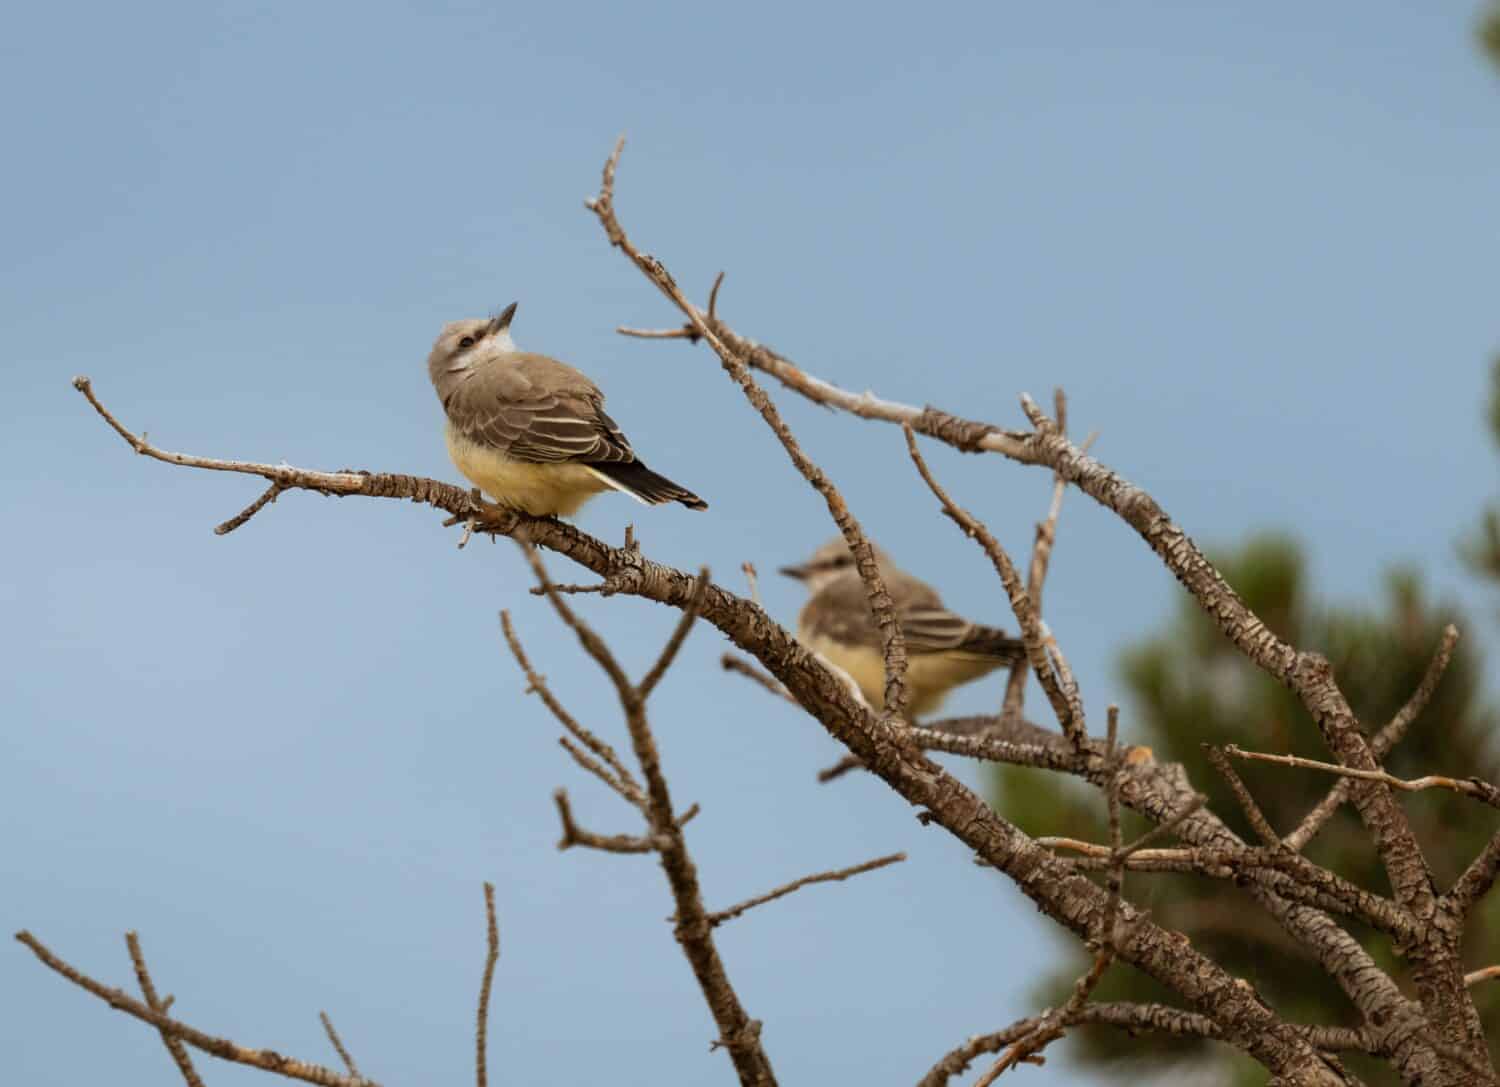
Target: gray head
(463, 345)
(831, 561)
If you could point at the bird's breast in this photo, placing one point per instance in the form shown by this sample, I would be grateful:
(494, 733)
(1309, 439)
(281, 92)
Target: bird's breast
(542, 490)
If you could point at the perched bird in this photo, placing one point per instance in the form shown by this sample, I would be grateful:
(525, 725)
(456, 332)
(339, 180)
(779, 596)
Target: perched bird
(530, 431)
(943, 650)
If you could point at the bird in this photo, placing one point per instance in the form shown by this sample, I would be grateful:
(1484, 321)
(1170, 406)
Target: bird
(943, 650)
(531, 432)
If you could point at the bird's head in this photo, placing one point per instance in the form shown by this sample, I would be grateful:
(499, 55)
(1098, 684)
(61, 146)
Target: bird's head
(463, 344)
(831, 561)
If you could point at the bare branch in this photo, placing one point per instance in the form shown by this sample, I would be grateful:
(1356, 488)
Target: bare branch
(679, 635)
(1257, 818)
(1247, 1020)
(592, 644)
(730, 663)
(492, 956)
(174, 1046)
(594, 767)
(338, 1044)
(1385, 740)
(265, 1059)
(752, 579)
(1475, 882)
(622, 781)
(249, 511)
(1129, 1017)
(287, 476)
(573, 834)
(1031, 629)
(1471, 787)
(881, 606)
(719, 917)
(1307, 674)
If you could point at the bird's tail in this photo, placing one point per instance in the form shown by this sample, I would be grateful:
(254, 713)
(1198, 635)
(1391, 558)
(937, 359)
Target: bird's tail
(640, 482)
(987, 643)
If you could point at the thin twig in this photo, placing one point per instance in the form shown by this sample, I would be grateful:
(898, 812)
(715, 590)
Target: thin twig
(1258, 821)
(593, 644)
(1472, 787)
(174, 1046)
(249, 511)
(491, 956)
(731, 663)
(882, 607)
(1031, 629)
(536, 684)
(679, 635)
(338, 1044)
(265, 1059)
(1385, 740)
(1486, 974)
(573, 834)
(593, 766)
(752, 579)
(1132, 1018)
(720, 916)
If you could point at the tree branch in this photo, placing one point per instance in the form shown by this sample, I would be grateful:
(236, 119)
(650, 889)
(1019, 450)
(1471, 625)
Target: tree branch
(1385, 740)
(881, 606)
(1471, 787)
(1067, 710)
(720, 916)
(174, 1046)
(338, 1044)
(265, 1059)
(482, 1020)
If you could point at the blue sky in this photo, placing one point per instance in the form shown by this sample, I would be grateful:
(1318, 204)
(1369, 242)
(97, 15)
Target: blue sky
(1254, 242)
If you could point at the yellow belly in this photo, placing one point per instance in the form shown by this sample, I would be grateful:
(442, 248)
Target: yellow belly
(929, 676)
(542, 490)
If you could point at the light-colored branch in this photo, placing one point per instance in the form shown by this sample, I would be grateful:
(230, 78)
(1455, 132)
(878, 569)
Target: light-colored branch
(720, 916)
(265, 1059)
(482, 1021)
(1489, 973)
(174, 1045)
(1471, 787)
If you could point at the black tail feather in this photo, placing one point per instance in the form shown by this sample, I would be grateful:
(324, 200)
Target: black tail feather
(645, 484)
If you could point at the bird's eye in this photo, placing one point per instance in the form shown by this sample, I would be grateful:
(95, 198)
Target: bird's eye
(466, 342)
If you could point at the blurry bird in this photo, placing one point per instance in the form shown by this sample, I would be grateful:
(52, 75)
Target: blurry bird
(530, 431)
(943, 650)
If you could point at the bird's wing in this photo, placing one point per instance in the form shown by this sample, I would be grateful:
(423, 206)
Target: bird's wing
(934, 629)
(536, 409)
(841, 611)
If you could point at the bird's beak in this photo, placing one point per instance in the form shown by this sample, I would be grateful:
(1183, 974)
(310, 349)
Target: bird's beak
(502, 321)
(798, 572)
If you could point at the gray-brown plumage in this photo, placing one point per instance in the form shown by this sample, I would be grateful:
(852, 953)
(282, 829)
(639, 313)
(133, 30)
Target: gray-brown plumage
(944, 650)
(531, 432)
